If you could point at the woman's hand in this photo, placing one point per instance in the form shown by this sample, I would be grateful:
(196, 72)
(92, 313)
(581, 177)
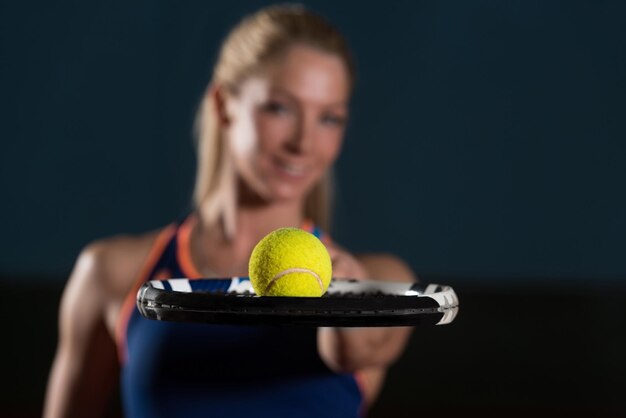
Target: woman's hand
(350, 349)
(345, 265)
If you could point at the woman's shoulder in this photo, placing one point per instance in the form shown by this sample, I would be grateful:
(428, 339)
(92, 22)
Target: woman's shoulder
(115, 261)
(120, 246)
(103, 275)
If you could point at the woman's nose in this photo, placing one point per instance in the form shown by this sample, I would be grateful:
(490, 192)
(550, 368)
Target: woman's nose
(303, 138)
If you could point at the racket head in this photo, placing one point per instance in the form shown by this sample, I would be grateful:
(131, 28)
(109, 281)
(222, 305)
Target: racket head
(347, 303)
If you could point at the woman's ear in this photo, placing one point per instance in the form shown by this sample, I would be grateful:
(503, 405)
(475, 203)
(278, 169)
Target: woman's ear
(219, 97)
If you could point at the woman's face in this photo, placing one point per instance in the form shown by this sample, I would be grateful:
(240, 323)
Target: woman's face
(285, 127)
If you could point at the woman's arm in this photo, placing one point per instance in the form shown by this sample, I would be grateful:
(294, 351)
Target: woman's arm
(85, 366)
(351, 349)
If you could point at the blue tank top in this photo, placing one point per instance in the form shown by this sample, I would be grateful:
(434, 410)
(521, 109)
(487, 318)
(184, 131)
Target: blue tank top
(199, 370)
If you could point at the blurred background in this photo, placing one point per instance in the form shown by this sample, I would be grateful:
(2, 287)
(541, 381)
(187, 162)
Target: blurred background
(486, 148)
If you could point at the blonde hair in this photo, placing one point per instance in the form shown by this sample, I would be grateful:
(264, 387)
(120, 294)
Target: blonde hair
(254, 42)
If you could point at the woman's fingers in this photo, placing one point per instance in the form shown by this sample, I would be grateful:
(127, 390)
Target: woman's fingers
(345, 265)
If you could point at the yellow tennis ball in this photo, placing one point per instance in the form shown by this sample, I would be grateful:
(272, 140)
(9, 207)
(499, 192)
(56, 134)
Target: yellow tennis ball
(290, 262)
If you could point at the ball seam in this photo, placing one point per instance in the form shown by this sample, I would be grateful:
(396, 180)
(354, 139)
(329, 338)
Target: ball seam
(293, 270)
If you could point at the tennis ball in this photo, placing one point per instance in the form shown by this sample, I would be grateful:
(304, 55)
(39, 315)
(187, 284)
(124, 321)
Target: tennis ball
(290, 262)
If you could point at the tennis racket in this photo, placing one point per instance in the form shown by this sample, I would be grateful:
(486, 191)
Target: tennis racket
(347, 303)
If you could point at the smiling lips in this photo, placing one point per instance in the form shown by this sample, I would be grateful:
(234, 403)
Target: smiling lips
(296, 171)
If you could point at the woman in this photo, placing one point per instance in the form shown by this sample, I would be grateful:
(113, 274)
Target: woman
(270, 128)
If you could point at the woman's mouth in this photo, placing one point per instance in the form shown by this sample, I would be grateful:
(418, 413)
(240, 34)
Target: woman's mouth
(290, 170)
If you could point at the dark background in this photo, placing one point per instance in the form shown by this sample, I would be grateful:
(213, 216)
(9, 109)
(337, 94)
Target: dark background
(485, 148)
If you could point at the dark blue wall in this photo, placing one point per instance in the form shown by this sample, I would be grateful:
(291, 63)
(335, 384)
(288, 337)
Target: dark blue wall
(487, 138)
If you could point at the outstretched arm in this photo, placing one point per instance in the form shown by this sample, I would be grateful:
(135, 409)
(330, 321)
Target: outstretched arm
(351, 349)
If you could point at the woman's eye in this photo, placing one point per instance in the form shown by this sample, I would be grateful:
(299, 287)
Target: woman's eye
(276, 108)
(333, 120)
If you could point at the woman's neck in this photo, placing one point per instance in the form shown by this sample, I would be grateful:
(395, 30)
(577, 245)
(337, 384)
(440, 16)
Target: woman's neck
(253, 219)
(260, 221)
(214, 252)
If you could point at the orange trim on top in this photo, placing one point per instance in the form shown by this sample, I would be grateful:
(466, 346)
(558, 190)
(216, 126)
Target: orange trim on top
(307, 225)
(183, 250)
(129, 303)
